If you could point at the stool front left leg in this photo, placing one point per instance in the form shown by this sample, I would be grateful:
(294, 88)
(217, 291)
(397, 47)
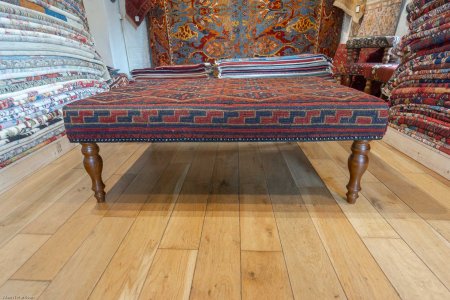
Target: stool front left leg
(93, 164)
(357, 165)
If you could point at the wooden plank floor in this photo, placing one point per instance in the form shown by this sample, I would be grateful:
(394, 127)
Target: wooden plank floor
(227, 221)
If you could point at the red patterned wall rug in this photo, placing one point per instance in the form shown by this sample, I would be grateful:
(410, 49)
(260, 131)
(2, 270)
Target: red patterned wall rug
(184, 32)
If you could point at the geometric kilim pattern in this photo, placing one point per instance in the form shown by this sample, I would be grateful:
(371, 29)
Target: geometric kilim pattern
(274, 109)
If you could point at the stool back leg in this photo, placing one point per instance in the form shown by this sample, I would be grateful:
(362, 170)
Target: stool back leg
(357, 165)
(93, 164)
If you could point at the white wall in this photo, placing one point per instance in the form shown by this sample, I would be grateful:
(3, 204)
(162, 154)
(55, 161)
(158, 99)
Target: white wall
(120, 44)
(96, 14)
(402, 27)
(346, 27)
(136, 41)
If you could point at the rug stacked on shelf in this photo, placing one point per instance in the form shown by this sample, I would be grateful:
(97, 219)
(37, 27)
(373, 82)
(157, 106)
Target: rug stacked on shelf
(176, 72)
(47, 59)
(284, 66)
(419, 91)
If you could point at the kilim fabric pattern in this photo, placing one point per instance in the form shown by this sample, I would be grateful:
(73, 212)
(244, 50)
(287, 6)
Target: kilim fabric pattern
(137, 9)
(206, 110)
(340, 60)
(330, 29)
(368, 65)
(382, 72)
(380, 18)
(189, 32)
(373, 42)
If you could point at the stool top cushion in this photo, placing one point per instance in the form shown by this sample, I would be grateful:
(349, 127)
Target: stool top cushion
(269, 109)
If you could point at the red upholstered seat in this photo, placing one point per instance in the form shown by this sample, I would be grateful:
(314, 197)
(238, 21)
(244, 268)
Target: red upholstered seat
(271, 109)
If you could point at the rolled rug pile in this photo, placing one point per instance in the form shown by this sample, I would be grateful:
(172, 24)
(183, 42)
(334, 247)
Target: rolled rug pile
(47, 59)
(419, 90)
(284, 66)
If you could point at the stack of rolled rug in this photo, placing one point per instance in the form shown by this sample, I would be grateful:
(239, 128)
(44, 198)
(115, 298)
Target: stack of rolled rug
(47, 59)
(176, 72)
(419, 91)
(284, 66)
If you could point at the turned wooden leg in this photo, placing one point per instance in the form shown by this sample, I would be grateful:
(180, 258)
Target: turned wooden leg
(93, 164)
(347, 80)
(386, 55)
(357, 165)
(368, 87)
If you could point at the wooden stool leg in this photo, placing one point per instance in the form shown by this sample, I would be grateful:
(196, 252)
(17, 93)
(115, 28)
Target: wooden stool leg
(357, 165)
(93, 164)
(368, 87)
(386, 55)
(347, 80)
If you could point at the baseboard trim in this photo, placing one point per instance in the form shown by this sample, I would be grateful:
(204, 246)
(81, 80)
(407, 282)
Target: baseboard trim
(428, 156)
(26, 166)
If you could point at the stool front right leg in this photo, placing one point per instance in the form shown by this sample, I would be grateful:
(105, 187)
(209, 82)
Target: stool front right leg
(93, 164)
(357, 165)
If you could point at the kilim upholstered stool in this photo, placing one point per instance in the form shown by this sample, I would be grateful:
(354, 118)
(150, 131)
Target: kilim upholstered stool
(226, 110)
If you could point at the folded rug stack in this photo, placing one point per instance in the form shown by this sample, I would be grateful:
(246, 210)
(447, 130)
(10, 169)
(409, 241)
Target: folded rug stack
(284, 66)
(47, 59)
(117, 79)
(180, 71)
(420, 88)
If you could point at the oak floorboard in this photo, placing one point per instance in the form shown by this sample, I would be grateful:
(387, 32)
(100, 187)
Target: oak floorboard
(401, 163)
(33, 187)
(17, 251)
(408, 274)
(51, 257)
(257, 222)
(356, 269)
(46, 209)
(423, 156)
(304, 253)
(135, 162)
(366, 220)
(256, 237)
(27, 211)
(73, 282)
(152, 164)
(125, 274)
(435, 211)
(434, 188)
(264, 276)
(171, 275)
(58, 213)
(358, 272)
(186, 153)
(186, 222)
(429, 245)
(217, 271)
(414, 196)
(22, 289)
(338, 153)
